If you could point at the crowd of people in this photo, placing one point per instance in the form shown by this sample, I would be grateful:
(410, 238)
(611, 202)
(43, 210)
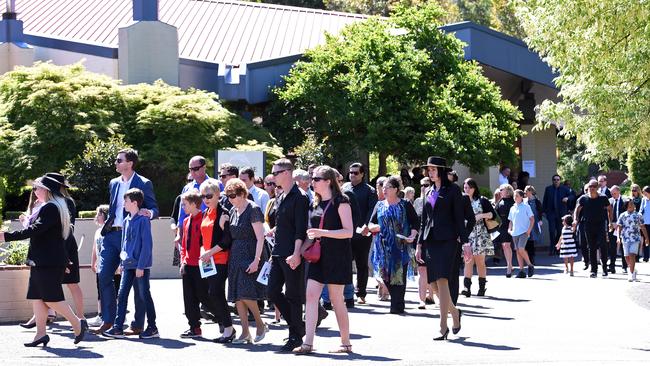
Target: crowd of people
(290, 239)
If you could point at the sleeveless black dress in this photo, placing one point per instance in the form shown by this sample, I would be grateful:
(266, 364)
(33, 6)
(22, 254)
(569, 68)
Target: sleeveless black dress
(335, 264)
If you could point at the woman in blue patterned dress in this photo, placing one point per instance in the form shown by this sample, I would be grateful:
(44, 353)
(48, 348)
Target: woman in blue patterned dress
(395, 222)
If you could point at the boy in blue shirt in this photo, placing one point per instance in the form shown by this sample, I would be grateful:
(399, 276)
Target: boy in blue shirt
(521, 224)
(137, 245)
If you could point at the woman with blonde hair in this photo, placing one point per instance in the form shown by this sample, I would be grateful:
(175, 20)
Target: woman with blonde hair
(330, 222)
(47, 259)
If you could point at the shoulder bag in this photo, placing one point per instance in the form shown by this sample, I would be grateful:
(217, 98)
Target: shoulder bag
(312, 253)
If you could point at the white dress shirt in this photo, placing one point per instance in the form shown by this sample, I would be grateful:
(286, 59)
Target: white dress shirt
(119, 206)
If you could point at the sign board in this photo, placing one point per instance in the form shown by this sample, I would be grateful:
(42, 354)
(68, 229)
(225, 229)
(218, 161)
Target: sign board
(528, 166)
(240, 159)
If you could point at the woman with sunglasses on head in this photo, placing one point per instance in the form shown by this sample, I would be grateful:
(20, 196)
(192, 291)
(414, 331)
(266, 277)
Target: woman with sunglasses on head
(215, 235)
(47, 259)
(442, 225)
(330, 222)
(395, 222)
(246, 259)
(504, 238)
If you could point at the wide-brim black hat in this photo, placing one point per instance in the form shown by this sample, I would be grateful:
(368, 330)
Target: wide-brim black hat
(436, 161)
(59, 178)
(48, 183)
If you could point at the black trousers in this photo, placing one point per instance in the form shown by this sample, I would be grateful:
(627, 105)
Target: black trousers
(217, 292)
(645, 249)
(454, 283)
(360, 253)
(195, 293)
(611, 250)
(397, 293)
(289, 304)
(554, 230)
(582, 241)
(595, 235)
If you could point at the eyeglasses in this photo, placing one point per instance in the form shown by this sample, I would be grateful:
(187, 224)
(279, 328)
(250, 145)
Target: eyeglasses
(276, 173)
(196, 168)
(318, 179)
(207, 196)
(232, 196)
(119, 161)
(224, 176)
(354, 172)
(272, 184)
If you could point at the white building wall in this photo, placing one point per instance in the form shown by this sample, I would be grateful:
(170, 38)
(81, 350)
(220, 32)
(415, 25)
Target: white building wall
(101, 65)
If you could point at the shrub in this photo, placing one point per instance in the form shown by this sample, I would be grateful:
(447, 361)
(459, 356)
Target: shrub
(639, 166)
(87, 214)
(16, 253)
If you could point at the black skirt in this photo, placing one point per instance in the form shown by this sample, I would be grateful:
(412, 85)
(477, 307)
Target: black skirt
(439, 259)
(73, 257)
(45, 284)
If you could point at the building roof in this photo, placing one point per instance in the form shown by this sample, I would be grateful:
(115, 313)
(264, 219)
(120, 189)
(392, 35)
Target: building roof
(215, 31)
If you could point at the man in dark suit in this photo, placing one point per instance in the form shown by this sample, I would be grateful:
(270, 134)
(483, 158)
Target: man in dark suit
(109, 256)
(602, 186)
(619, 206)
(554, 205)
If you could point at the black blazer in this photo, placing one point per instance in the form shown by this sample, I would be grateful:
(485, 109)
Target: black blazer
(445, 221)
(46, 243)
(220, 237)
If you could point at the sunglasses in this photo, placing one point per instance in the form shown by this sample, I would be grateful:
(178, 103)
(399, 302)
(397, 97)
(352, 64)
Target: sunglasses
(426, 185)
(196, 168)
(272, 184)
(119, 161)
(634, 190)
(593, 186)
(556, 180)
(354, 173)
(232, 196)
(207, 196)
(318, 179)
(275, 174)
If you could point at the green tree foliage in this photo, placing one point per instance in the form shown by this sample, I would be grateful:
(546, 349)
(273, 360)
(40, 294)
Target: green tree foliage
(571, 164)
(600, 50)
(408, 95)
(92, 170)
(638, 163)
(49, 113)
(477, 11)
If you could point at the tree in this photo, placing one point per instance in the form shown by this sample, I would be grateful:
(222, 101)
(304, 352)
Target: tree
(600, 51)
(477, 11)
(407, 95)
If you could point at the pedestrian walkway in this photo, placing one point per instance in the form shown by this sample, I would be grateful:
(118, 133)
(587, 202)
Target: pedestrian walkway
(549, 318)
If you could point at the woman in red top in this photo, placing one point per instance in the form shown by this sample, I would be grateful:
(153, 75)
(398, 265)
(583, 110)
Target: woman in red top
(216, 243)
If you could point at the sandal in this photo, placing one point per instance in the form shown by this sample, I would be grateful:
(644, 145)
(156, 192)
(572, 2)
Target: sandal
(304, 349)
(344, 348)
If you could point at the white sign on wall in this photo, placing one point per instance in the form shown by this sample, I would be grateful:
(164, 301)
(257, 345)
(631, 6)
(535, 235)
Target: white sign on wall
(528, 166)
(240, 159)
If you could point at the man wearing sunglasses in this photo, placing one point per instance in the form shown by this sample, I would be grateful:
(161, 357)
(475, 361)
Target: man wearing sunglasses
(197, 170)
(109, 256)
(227, 172)
(367, 199)
(594, 211)
(292, 210)
(555, 206)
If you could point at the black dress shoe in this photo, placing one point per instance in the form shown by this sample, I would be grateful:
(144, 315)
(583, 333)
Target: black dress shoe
(44, 339)
(224, 339)
(84, 323)
(81, 335)
(443, 336)
(292, 343)
(28, 325)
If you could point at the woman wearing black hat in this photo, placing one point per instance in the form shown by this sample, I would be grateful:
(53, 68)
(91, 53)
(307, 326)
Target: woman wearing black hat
(71, 277)
(442, 224)
(47, 258)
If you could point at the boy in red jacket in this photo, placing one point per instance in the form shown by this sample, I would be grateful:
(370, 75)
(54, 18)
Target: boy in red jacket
(195, 288)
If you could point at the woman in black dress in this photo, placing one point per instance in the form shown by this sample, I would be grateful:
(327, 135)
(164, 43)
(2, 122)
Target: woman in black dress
(48, 259)
(442, 224)
(334, 268)
(504, 238)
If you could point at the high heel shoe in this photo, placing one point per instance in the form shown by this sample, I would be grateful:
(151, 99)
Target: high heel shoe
(258, 338)
(228, 339)
(443, 337)
(28, 325)
(245, 340)
(456, 330)
(80, 337)
(44, 339)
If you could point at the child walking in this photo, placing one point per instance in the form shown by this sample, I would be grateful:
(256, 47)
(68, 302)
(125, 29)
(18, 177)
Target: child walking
(137, 245)
(567, 244)
(630, 226)
(101, 213)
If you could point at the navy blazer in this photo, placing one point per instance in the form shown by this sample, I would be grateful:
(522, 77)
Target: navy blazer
(445, 221)
(138, 181)
(560, 208)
